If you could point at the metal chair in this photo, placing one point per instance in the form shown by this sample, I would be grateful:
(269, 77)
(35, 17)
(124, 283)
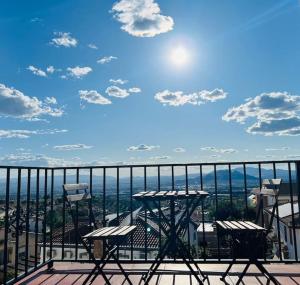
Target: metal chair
(248, 240)
(111, 237)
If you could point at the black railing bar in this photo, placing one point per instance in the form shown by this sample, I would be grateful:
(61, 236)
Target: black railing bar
(77, 208)
(51, 210)
(159, 204)
(45, 213)
(230, 185)
(17, 229)
(104, 198)
(180, 261)
(146, 218)
(173, 188)
(91, 215)
(27, 220)
(261, 197)
(37, 216)
(6, 229)
(216, 205)
(203, 215)
(277, 218)
(245, 189)
(131, 210)
(64, 217)
(155, 165)
(187, 210)
(298, 185)
(293, 212)
(118, 204)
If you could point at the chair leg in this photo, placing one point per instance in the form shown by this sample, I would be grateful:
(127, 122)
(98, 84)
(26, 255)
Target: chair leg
(89, 276)
(122, 269)
(224, 275)
(191, 259)
(264, 271)
(156, 263)
(243, 273)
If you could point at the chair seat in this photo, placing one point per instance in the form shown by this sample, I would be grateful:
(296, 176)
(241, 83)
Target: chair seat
(239, 226)
(110, 232)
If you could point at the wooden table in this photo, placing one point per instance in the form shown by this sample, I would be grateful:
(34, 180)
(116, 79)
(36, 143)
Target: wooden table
(172, 227)
(247, 239)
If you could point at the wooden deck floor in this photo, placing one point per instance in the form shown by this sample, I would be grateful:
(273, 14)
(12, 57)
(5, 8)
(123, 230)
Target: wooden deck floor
(170, 274)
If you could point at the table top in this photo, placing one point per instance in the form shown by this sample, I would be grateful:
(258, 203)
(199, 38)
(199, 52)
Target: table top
(168, 195)
(239, 226)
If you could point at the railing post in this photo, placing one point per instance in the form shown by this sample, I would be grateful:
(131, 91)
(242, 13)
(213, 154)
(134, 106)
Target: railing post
(298, 182)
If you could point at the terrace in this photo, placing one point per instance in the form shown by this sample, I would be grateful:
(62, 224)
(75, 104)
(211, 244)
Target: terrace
(37, 232)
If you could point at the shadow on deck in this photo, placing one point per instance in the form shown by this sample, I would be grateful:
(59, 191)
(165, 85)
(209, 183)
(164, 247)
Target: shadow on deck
(169, 274)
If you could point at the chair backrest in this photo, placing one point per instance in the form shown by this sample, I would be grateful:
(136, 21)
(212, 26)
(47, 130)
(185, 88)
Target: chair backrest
(76, 192)
(271, 187)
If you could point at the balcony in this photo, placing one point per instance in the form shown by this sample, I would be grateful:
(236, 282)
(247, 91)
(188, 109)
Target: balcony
(37, 231)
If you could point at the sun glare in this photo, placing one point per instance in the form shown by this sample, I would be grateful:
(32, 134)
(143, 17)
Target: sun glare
(179, 56)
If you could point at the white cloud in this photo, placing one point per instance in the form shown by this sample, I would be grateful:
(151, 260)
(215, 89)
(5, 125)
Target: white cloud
(64, 39)
(116, 91)
(179, 149)
(278, 149)
(13, 103)
(37, 71)
(276, 113)
(24, 134)
(134, 90)
(68, 147)
(93, 97)
(178, 98)
(92, 46)
(50, 69)
(213, 95)
(51, 100)
(161, 157)
(143, 147)
(118, 81)
(78, 71)
(219, 150)
(29, 159)
(142, 18)
(106, 59)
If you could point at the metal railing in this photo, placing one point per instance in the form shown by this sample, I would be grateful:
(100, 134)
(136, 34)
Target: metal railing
(36, 227)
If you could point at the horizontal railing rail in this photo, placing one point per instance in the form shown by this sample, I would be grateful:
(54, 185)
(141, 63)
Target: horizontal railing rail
(36, 227)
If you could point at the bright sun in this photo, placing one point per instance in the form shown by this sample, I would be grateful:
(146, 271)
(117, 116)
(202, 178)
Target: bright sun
(179, 56)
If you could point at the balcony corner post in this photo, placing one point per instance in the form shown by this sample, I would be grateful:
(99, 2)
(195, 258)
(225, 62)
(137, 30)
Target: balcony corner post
(298, 182)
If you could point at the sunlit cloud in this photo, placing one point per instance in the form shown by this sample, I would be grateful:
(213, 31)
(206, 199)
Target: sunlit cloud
(143, 147)
(178, 98)
(79, 72)
(70, 147)
(92, 46)
(118, 81)
(116, 91)
(37, 71)
(276, 113)
(106, 59)
(93, 97)
(64, 39)
(179, 149)
(142, 18)
(219, 150)
(24, 134)
(13, 103)
(134, 90)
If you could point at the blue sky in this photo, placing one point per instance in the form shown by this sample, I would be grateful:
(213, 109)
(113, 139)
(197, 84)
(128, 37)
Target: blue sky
(207, 81)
